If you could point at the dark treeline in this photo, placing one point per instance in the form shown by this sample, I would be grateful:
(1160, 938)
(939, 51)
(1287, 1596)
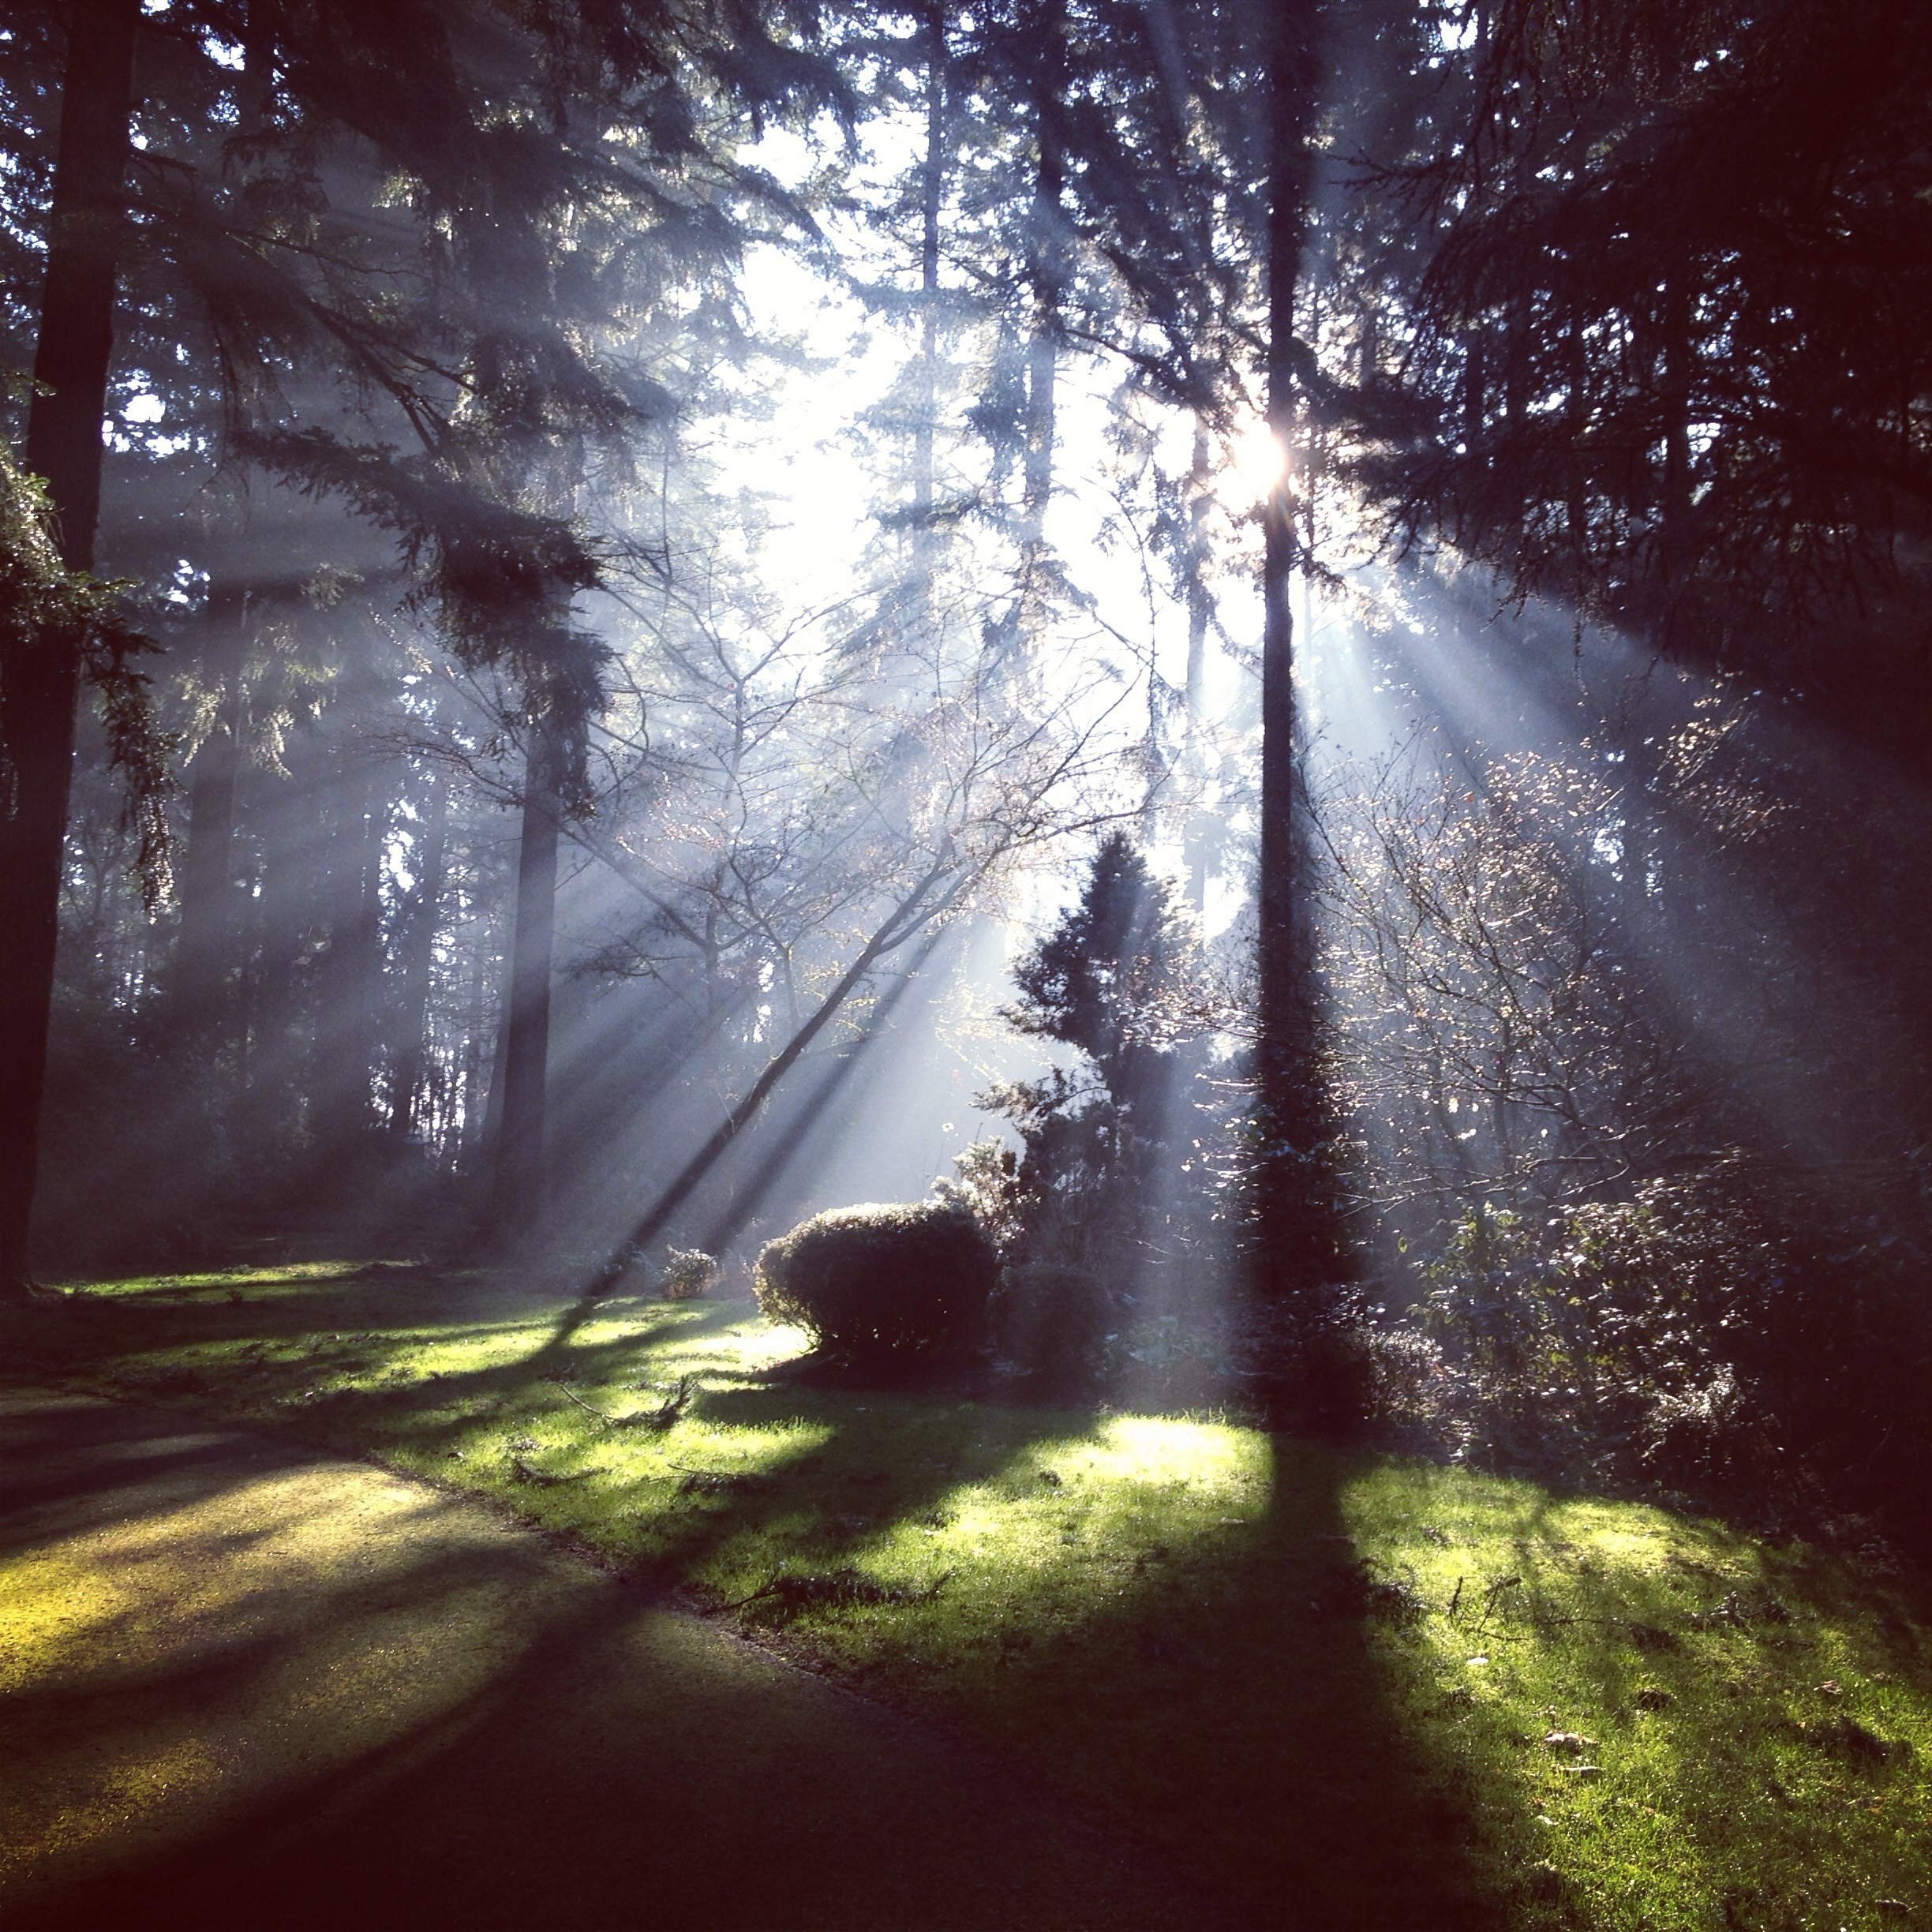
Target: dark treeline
(486, 833)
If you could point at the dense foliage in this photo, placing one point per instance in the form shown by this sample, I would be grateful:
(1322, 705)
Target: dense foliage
(1118, 978)
(46, 608)
(1054, 1322)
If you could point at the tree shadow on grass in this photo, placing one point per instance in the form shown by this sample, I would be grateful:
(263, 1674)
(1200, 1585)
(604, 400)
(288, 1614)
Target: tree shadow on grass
(1266, 1708)
(1737, 1697)
(1345, 1806)
(448, 1727)
(1265, 1711)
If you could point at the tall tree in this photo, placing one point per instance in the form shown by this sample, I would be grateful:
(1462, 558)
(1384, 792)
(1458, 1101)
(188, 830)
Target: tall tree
(205, 951)
(521, 1179)
(1666, 313)
(420, 924)
(1294, 1251)
(42, 676)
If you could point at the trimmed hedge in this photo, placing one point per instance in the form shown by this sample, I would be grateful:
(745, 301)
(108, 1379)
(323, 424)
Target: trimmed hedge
(883, 1281)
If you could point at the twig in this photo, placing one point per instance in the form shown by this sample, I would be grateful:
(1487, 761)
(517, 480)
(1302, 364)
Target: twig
(671, 1410)
(1490, 1596)
(765, 1590)
(840, 1588)
(663, 1416)
(608, 1421)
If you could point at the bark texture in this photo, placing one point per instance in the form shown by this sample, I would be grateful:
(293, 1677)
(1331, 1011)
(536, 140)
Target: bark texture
(1282, 939)
(39, 689)
(521, 1178)
(1294, 1251)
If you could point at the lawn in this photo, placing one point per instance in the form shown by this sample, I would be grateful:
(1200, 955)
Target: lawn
(1379, 1692)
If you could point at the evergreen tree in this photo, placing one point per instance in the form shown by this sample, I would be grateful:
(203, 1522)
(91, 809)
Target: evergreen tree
(43, 669)
(1115, 977)
(392, 278)
(1666, 315)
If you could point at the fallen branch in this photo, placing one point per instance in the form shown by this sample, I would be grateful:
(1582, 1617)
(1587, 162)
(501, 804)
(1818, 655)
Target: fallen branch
(1490, 1596)
(718, 1482)
(608, 1421)
(542, 1479)
(840, 1588)
(664, 1416)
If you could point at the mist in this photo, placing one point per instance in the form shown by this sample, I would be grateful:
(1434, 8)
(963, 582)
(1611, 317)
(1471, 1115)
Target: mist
(638, 652)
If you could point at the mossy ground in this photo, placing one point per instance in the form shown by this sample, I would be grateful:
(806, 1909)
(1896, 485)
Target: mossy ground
(1379, 1692)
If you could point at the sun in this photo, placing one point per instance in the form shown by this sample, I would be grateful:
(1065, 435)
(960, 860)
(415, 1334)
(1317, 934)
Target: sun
(1254, 462)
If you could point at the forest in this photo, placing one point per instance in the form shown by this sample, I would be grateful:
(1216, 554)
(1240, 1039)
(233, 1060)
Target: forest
(1217, 709)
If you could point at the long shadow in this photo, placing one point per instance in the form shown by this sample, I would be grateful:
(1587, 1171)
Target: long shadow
(1334, 1808)
(595, 1764)
(1330, 1806)
(1334, 1804)
(1350, 1818)
(1702, 1666)
(43, 1498)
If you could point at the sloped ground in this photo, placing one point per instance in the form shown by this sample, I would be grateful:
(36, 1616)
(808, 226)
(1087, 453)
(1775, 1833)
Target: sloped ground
(242, 1685)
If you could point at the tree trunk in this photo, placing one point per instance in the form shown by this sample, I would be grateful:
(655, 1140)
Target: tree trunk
(1046, 276)
(280, 936)
(202, 994)
(1674, 518)
(1577, 509)
(1200, 600)
(204, 950)
(349, 976)
(520, 1189)
(1202, 835)
(1291, 82)
(1674, 321)
(1292, 1223)
(418, 959)
(71, 360)
(932, 184)
(482, 1072)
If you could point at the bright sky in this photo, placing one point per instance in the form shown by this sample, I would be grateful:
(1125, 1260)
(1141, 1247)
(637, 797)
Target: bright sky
(803, 460)
(821, 495)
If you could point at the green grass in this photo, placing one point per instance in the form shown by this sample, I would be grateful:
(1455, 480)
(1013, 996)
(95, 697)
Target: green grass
(1381, 1692)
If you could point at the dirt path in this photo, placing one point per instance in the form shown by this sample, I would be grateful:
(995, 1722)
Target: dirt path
(244, 1685)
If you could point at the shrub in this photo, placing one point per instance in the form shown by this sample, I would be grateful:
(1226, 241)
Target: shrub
(1051, 1321)
(906, 1279)
(1732, 1328)
(989, 1185)
(1306, 1362)
(687, 1274)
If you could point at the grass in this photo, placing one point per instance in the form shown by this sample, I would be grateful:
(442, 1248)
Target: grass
(1379, 1692)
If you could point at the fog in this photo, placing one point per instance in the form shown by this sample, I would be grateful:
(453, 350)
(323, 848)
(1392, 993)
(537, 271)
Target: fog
(649, 639)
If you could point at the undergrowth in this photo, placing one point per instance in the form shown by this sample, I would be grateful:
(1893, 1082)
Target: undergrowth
(1374, 1691)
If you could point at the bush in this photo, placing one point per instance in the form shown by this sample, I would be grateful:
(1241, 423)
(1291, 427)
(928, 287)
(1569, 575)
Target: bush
(1307, 1361)
(687, 1275)
(1164, 1360)
(867, 1283)
(989, 1186)
(1730, 1329)
(1051, 1321)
